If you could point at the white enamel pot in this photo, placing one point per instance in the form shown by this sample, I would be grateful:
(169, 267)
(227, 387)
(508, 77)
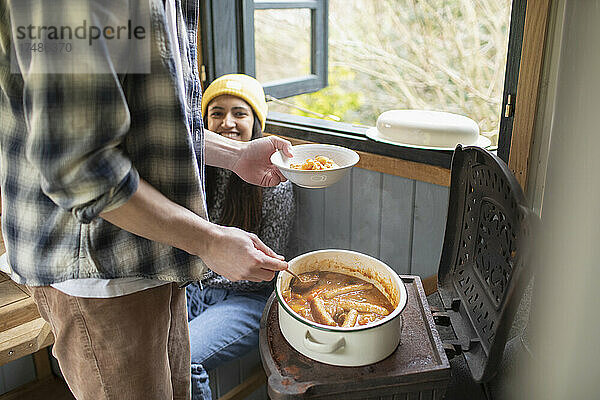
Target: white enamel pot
(355, 346)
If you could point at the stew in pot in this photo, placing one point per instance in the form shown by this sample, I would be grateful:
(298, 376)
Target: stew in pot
(336, 299)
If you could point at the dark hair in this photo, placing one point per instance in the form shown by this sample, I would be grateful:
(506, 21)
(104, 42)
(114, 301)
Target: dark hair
(243, 201)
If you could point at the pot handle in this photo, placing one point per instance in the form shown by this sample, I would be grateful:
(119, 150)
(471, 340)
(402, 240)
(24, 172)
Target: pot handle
(311, 344)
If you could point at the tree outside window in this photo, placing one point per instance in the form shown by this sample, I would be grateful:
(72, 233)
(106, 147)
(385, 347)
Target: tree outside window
(445, 55)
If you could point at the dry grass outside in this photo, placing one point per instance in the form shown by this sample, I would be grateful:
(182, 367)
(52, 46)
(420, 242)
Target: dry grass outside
(445, 55)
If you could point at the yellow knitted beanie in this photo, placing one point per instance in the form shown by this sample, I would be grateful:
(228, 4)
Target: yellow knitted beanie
(242, 86)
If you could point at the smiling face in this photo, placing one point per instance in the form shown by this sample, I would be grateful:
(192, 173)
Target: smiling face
(231, 117)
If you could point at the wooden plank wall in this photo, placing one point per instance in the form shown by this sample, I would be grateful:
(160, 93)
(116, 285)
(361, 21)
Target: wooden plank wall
(397, 220)
(229, 375)
(16, 373)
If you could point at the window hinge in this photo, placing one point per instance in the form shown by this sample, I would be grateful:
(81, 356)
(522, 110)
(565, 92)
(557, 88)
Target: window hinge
(509, 108)
(203, 73)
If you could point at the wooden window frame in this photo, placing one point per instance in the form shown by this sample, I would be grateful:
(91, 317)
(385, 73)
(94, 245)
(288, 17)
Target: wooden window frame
(227, 39)
(317, 79)
(535, 34)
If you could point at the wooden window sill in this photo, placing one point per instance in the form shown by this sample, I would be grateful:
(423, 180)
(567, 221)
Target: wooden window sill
(423, 165)
(395, 166)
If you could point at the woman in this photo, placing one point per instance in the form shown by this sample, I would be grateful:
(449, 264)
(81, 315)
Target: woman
(224, 316)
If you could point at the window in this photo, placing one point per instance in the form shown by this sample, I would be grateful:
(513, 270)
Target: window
(446, 55)
(230, 44)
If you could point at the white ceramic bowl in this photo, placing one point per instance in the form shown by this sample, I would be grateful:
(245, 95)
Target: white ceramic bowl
(434, 130)
(343, 157)
(355, 346)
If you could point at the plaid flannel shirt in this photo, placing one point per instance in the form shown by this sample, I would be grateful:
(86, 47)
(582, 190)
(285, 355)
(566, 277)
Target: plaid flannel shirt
(74, 145)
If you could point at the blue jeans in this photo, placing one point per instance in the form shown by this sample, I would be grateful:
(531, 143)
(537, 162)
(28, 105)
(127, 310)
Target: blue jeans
(223, 326)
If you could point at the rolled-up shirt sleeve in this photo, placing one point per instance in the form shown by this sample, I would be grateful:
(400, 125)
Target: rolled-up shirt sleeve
(76, 126)
(110, 200)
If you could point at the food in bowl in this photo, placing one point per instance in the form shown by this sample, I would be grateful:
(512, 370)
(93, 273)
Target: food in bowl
(318, 163)
(315, 178)
(337, 299)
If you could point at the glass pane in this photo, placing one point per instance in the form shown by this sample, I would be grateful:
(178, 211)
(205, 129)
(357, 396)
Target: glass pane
(398, 54)
(282, 44)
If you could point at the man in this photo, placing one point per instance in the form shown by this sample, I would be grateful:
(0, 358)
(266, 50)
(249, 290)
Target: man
(102, 189)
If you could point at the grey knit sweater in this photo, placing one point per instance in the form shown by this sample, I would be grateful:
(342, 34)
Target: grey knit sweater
(278, 209)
